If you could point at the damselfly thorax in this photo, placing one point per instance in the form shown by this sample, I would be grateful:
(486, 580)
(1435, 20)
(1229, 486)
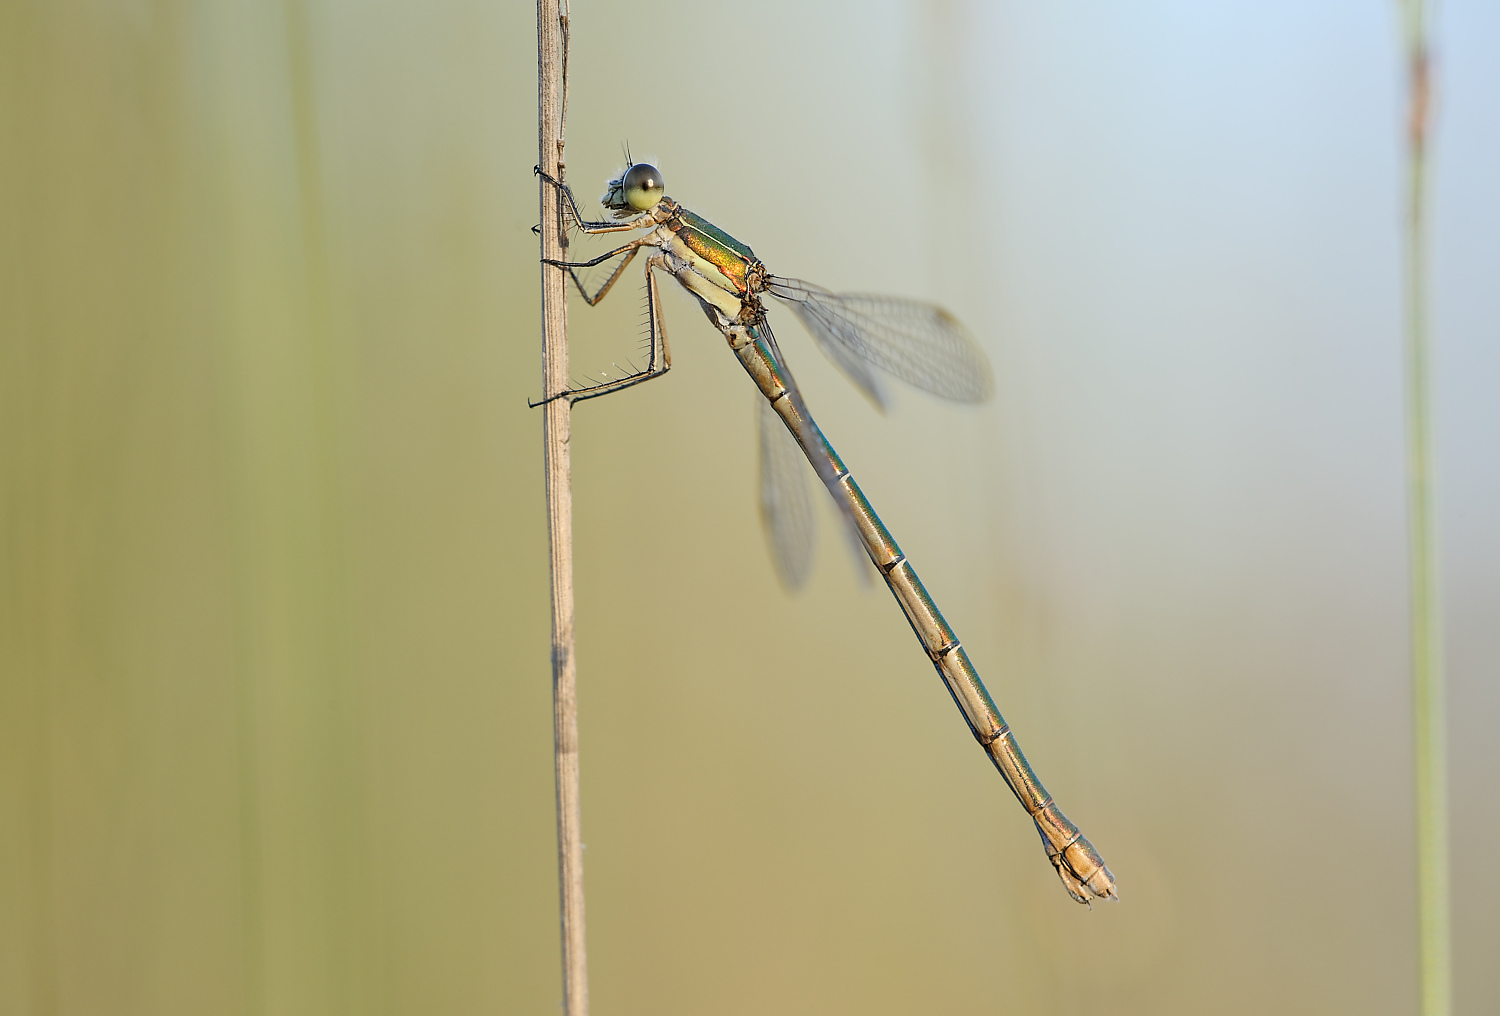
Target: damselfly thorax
(720, 271)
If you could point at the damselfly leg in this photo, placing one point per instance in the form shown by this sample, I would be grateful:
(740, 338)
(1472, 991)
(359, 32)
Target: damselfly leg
(583, 224)
(632, 248)
(659, 356)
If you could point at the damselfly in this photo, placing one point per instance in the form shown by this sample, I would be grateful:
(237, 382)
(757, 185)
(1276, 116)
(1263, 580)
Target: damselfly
(916, 342)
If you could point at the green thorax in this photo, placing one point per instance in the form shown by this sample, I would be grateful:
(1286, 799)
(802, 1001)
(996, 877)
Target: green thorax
(715, 246)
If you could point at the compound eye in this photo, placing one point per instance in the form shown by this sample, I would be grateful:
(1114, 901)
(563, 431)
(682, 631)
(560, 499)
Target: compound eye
(642, 187)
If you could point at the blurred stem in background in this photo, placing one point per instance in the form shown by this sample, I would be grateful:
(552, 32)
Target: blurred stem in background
(1429, 740)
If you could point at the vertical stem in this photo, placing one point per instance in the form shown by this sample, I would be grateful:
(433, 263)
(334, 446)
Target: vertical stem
(551, 33)
(1429, 721)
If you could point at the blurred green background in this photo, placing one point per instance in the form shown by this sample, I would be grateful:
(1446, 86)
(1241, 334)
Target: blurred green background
(275, 729)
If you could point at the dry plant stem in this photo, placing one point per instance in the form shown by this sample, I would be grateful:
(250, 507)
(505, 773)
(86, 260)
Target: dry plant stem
(1428, 708)
(556, 420)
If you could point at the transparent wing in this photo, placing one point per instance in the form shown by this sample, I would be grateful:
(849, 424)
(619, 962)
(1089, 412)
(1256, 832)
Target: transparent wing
(920, 343)
(821, 465)
(786, 506)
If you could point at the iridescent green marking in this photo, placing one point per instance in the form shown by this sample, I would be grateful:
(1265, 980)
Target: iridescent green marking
(883, 547)
(715, 233)
(971, 695)
(715, 246)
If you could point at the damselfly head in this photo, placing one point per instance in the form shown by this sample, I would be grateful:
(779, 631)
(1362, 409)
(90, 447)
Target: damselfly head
(638, 189)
